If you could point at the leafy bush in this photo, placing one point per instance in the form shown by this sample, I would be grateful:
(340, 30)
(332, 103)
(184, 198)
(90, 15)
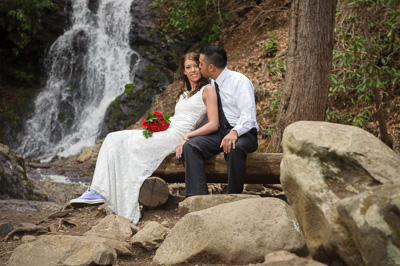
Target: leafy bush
(270, 45)
(365, 61)
(21, 19)
(192, 18)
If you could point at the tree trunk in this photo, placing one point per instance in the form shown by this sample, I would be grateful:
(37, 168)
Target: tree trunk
(380, 116)
(308, 64)
(154, 192)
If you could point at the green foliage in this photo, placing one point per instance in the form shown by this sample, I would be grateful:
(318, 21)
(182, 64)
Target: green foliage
(275, 67)
(271, 46)
(276, 70)
(21, 19)
(276, 101)
(358, 119)
(268, 132)
(129, 88)
(366, 57)
(192, 18)
(23, 76)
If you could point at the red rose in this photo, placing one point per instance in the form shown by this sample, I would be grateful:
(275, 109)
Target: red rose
(144, 123)
(154, 123)
(160, 116)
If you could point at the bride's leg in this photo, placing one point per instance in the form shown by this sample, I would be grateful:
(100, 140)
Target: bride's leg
(91, 196)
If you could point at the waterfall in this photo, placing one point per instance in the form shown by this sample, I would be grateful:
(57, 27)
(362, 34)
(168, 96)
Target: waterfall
(88, 67)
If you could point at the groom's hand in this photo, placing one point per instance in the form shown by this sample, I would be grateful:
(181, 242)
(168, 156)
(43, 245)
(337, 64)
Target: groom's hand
(229, 141)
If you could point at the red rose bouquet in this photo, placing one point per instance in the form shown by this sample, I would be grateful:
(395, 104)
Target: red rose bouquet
(154, 123)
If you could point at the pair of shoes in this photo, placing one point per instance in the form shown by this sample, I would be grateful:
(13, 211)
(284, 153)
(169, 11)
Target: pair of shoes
(89, 197)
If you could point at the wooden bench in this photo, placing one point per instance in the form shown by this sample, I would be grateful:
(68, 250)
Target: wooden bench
(261, 168)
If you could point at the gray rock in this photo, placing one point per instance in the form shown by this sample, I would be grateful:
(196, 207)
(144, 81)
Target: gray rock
(322, 164)
(68, 250)
(238, 232)
(198, 203)
(5, 228)
(151, 236)
(90, 153)
(113, 227)
(254, 187)
(285, 258)
(13, 180)
(374, 217)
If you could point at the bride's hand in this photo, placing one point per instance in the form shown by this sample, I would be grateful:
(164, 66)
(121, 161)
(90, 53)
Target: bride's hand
(179, 149)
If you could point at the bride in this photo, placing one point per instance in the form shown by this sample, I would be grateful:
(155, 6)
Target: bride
(127, 158)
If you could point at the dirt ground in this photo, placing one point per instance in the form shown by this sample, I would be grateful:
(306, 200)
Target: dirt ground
(78, 221)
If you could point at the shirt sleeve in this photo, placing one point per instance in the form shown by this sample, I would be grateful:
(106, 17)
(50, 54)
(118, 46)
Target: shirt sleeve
(246, 105)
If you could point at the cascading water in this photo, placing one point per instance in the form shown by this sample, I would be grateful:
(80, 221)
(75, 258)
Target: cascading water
(88, 68)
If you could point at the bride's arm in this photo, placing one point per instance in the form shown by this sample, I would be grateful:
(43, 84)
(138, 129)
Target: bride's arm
(210, 100)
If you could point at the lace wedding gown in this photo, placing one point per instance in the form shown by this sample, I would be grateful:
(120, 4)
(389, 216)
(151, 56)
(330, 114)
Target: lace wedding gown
(127, 158)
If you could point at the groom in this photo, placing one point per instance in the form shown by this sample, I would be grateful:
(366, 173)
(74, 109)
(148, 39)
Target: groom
(237, 135)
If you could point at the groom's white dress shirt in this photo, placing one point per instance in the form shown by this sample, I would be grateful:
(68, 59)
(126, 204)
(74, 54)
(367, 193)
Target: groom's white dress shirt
(238, 102)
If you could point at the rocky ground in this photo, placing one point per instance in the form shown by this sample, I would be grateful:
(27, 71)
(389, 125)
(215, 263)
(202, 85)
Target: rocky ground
(35, 218)
(77, 222)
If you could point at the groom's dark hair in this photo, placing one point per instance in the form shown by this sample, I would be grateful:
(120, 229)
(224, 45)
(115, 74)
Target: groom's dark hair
(215, 55)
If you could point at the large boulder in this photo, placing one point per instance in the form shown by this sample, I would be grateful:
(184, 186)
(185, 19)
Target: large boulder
(98, 246)
(238, 232)
(373, 220)
(323, 165)
(68, 250)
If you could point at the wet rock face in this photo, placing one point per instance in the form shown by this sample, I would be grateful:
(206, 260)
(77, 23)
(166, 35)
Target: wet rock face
(13, 180)
(93, 5)
(80, 43)
(151, 43)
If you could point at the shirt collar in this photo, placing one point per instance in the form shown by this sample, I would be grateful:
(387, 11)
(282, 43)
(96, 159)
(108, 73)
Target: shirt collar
(222, 76)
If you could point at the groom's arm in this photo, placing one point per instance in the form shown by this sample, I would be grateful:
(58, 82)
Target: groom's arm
(245, 101)
(246, 107)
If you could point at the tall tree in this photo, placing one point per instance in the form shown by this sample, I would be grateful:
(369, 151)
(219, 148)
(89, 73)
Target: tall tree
(309, 62)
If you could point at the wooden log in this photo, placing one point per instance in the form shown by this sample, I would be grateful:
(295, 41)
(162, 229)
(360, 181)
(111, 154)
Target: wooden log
(261, 168)
(154, 192)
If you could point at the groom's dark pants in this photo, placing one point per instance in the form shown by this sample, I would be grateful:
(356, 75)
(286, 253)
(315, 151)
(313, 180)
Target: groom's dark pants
(201, 148)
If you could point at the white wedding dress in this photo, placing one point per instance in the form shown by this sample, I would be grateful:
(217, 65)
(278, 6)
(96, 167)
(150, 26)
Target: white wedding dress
(127, 158)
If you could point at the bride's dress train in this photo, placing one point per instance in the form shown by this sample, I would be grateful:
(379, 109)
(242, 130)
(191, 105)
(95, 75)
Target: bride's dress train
(127, 158)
